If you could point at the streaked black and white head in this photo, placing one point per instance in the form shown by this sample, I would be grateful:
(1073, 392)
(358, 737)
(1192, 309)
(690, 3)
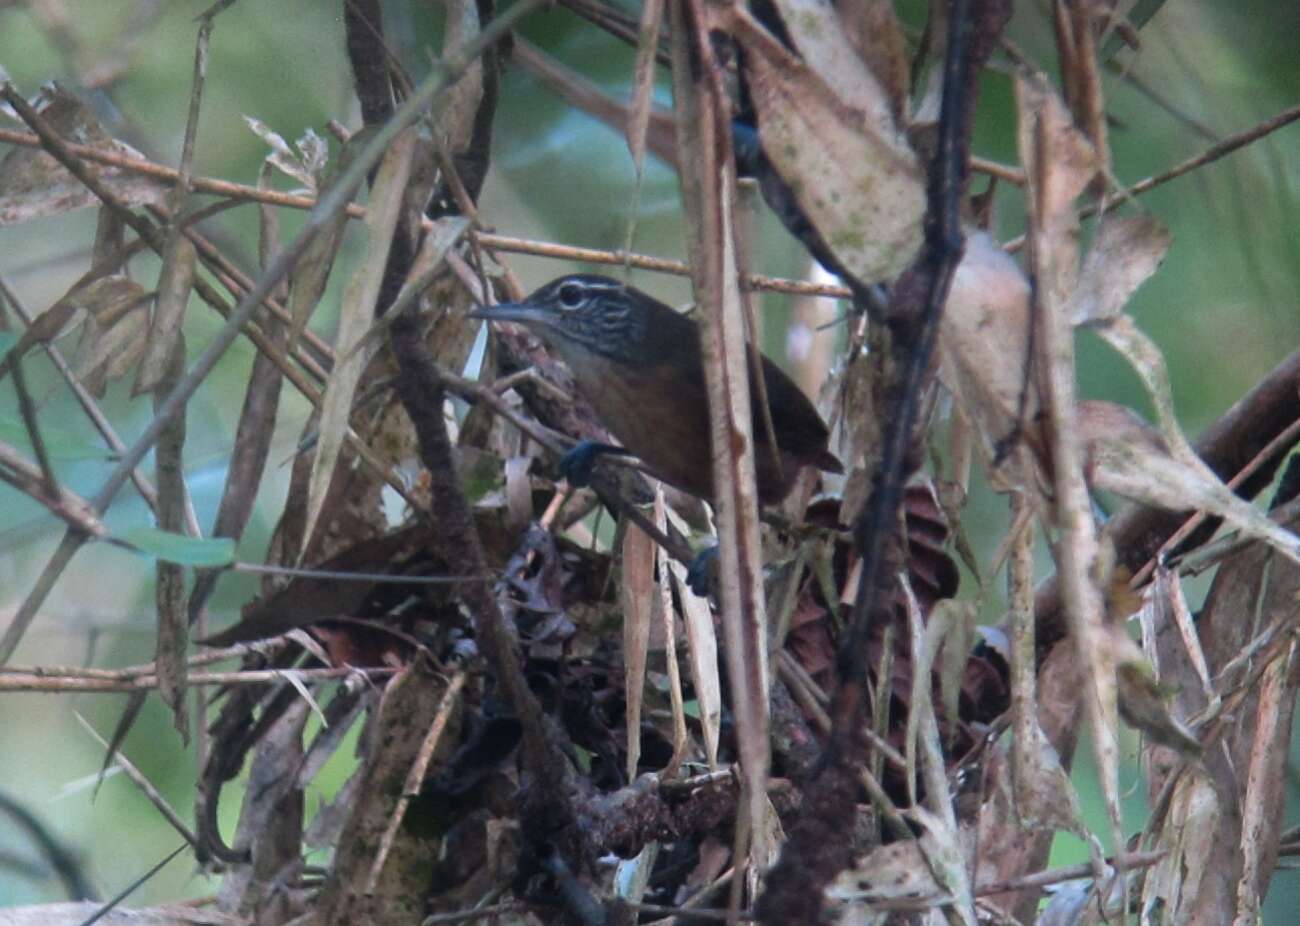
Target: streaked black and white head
(581, 310)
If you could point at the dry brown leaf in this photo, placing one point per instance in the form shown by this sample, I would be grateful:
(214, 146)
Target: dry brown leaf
(311, 271)
(826, 127)
(113, 334)
(34, 185)
(668, 619)
(107, 296)
(637, 594)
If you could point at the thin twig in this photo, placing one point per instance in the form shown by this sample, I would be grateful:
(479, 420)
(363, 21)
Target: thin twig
(1208, 156)
(35, 682)
(64, 504)
(337, 576)
(1068, 873)
(27, 408)
(203, 658)
(506, 243)
(84, 398)
(143, 783)
(442, 76)
(1278, 443)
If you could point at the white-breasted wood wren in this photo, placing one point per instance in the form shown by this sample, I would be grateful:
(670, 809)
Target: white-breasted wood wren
(638, 363)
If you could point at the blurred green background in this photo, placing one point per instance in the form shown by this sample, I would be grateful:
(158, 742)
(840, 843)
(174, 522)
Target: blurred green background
(1223, 307)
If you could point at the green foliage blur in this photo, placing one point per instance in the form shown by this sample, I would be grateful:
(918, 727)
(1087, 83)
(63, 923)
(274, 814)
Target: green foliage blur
(1224, 307)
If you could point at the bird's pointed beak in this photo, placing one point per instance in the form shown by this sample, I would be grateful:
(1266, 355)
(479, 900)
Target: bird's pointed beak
(522, 312)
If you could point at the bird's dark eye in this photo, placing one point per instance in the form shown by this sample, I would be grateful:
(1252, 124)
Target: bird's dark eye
(571, 295)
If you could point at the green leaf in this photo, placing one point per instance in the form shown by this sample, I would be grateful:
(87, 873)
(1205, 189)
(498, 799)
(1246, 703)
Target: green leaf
(7, 340)
(177, 548)
(60, 445)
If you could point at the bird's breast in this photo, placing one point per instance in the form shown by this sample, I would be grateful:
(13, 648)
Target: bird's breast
(653, 412)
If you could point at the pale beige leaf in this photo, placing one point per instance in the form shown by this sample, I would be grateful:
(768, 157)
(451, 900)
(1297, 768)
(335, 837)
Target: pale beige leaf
(1124, 253)
(906, 875)
(1041, 793)
(314, 151)
(1059, 164)
(941, 844)
(1127, 456)
(1148, 362)
(833, 140)
(34, 185)
(282, 157)
(873, 28)
(822, 41)
(1044, 795)
(355, 318)
(889, 875)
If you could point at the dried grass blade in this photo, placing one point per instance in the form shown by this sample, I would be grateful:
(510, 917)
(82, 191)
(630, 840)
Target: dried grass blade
(1059, 164)
(356, 315)
(708, 191)
(637, 592)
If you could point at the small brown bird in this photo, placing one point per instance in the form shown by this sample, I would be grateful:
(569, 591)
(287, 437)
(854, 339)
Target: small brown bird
(638, 363)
